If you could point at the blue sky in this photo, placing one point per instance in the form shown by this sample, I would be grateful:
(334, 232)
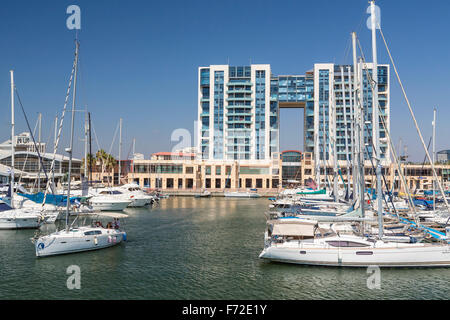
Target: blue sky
(139, 60)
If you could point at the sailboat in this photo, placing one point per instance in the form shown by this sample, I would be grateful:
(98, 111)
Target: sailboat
(305, 241)
(17, 218)
(84, 238)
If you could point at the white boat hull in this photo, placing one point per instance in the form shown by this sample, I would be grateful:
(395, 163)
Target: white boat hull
(140, 202)
(64, 243)
(420, 256)
(19, 223)
(109, 206)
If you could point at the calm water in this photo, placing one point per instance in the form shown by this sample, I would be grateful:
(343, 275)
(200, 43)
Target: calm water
(188, 248)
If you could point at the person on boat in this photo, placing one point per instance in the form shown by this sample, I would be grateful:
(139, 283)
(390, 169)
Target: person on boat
(116, 223)
(109, 225)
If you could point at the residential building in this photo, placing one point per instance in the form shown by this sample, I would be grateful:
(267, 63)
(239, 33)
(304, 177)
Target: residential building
(443, 156)
(239, 111)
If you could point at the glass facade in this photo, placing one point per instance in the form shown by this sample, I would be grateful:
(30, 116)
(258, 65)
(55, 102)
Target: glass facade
(243, 120)
(218, 114)
(324, 95)
(239, 113)
(204, 112)
(260, 114)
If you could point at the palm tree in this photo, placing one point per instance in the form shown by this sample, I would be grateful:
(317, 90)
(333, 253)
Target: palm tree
(106, 160)
(110, 164)
(91, 161)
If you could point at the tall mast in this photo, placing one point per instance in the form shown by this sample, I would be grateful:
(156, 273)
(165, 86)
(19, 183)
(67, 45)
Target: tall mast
(90, 148)
(70, 149)
(344, 92)
(85, 144)
(349, 149)
(132, 161)
(362, 140)
(54, 145)
(376, 119)
(120, 149)
(356, 111)
(39, 146)
(434, 158)
(324, 154)
(317, 154)
(12, 138)
(332, 133)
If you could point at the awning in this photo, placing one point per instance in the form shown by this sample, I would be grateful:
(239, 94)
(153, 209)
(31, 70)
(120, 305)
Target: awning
(291, 229)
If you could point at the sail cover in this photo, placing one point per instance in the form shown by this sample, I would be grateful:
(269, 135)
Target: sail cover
(323, 191)
(51, 198)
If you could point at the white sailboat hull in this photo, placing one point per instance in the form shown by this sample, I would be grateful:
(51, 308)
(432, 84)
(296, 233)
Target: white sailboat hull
(414, 256)
(63, 242)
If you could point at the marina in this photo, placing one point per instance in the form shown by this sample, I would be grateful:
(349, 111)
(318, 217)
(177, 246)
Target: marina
(189, 248)
(347, 216)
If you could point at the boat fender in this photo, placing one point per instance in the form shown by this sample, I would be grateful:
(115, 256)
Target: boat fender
(124, 236)
(95, 241)
(114, 239)
(109, 239)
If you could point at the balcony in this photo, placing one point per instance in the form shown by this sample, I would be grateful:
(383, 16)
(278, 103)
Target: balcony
(240, 83)
(242, 114)
(239, 106)
(240, 99)
(249, 91)
(238, 121)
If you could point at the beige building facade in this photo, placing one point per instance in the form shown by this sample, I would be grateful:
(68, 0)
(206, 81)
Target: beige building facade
(183, 172)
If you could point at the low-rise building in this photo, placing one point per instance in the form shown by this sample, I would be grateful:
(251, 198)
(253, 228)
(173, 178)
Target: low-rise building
(184, 172)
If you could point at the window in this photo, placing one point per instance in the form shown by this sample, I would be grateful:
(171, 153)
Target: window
(364, 253)
(189, 183)
(208, 170)
(91, 233)
(218, 170)
(189, 170)
(275, 183)
(169, 183)
(208, 183)
(347, 244)
(180, 183)
(248, 183)
(218, 184)
(259, 183)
